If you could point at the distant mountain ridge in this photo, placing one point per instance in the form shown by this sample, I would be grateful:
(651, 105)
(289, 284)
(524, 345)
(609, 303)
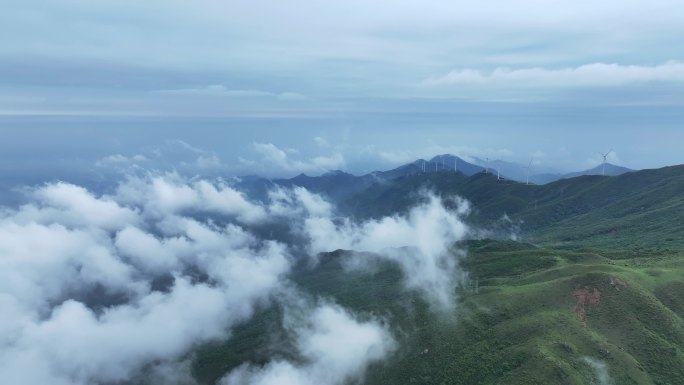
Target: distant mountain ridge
(340, 185)
(610, 170)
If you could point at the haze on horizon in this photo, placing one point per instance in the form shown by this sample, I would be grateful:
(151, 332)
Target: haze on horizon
(282, 88)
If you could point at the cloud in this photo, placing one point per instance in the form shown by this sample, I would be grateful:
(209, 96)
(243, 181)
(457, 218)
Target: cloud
(120, 160)
(170, 193)
(123, 51)
(273, 156)
(600, 370)
(127, 285)
(321, 142)
(205, 163)
(586, 75)
(74, 206)
(334, 346)
(80, 305)
(420, 242)
(218, 90)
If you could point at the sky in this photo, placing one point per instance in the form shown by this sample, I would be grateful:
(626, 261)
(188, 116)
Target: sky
(280, 88)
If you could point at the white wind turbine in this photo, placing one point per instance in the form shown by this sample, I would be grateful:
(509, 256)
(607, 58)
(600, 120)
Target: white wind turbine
(603, 165)
(529, 165)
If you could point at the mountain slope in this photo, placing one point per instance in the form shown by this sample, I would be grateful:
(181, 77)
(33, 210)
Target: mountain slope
(639, 208)
(610, 170)
(527, 315)
(338, 185)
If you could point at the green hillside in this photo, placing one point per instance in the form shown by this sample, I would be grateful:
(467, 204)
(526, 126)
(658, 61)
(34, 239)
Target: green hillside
(520, 320)
(633, 210)
(591, 295)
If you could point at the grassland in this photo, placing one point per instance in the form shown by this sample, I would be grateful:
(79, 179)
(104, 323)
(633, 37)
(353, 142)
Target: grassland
(517, 320)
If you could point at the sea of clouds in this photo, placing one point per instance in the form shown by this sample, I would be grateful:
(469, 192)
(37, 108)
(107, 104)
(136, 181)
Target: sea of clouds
(100, 288)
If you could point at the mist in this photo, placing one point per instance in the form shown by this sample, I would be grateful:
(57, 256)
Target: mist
(129, 283)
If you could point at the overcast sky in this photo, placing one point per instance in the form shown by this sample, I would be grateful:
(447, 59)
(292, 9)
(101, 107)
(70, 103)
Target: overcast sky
(283, 87)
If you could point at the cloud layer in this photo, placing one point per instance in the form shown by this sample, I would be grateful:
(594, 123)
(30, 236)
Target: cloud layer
(81, 278)
(116, 56)
(106, 288)
(587, 75)
(335, 348)
(420, 242)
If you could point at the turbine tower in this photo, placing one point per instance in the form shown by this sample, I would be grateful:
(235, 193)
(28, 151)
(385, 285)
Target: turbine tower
(455, 164)
(529, 165)
(603, 165)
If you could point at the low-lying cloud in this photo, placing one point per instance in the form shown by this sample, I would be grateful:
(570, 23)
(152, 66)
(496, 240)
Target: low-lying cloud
(419, 242)
(78, 277)
(334, 346)
(107, 288)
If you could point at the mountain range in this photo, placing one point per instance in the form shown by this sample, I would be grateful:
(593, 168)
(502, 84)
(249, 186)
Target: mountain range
(578, 281)
(339, 185)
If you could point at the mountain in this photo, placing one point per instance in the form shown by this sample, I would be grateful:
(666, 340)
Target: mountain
(334, 184)
(610, 169)
(637, 208)
(447, 162)
(509, 170)
(526, 315)
(590, 294)
(339, 185)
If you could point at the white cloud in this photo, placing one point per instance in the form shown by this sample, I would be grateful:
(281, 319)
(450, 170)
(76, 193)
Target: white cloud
(171, 193)
(205, 163)
(67, 242)
(335, 346)
(586, 75)
(272, 156)
(73, 205)
(321, 142)
(420, 242)
(120, 160)
(78, 271)
(218, 90)
(600, 370)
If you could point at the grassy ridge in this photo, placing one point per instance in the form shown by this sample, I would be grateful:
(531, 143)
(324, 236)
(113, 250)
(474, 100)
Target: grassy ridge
(602, 294)
(520, 326)
(633, 210)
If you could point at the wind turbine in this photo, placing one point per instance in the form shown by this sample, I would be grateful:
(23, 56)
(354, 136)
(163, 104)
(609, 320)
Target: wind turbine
(529, 165)
(487, 169)
(423, 165)
(498, 169)
(603, 167)
(455, 164)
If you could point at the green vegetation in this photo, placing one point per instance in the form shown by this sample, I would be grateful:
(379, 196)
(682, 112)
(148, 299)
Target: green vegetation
(517, 320)
(600, 277)
(643, 209)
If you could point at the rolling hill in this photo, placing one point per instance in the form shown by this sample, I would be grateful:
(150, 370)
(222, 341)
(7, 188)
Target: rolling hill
(589, 294)
(637, 209)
